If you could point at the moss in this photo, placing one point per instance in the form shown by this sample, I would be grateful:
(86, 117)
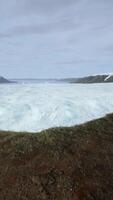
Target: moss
(59, 163)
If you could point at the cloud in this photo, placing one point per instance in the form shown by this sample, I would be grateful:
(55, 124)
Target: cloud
(45, 28)
(50, 34)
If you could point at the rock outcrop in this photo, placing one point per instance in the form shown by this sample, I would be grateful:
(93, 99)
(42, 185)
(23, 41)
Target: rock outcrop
(3, 80)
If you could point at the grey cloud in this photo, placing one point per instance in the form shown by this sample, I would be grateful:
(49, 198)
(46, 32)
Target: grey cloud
(3, 35)
(41, 6)
(109, 48)
(59, 26)
(77, 61)
(72, 34)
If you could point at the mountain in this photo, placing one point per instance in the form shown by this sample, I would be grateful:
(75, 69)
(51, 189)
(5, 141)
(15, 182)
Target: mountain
(100, 78)
(3, 80)
(103, 78)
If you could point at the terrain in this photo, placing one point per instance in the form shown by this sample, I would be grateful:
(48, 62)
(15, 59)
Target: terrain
(74, 163)
(4, 80)
(100, 78)
(104, 78)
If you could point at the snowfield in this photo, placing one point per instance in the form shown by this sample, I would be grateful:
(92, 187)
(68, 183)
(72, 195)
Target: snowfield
(34, 107)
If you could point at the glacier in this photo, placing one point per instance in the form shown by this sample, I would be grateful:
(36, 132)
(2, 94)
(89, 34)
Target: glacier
(35, 107)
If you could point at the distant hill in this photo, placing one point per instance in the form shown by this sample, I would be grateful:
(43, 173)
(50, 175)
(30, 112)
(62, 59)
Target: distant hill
(102, 78)
(3, 80)
(105, 78)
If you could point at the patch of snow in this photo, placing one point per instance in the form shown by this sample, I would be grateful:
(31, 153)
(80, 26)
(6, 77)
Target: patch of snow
(109, 76)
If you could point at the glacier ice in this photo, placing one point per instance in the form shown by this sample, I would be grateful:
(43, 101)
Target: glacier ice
(34, 107)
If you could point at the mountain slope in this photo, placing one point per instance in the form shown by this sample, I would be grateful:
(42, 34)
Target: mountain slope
(3, 80)
(104, 78)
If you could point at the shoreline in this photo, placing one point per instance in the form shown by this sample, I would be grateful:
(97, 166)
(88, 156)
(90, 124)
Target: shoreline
(56, 127)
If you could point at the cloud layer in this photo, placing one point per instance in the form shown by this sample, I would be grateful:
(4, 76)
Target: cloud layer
(49, 38)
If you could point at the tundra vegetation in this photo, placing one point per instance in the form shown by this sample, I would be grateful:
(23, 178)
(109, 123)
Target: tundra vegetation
(74, 163)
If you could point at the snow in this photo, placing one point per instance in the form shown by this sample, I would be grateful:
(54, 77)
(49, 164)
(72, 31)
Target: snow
(35, 107)
(109, 76)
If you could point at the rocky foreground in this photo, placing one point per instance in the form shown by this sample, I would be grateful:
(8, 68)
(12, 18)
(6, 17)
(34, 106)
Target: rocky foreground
(58, 164)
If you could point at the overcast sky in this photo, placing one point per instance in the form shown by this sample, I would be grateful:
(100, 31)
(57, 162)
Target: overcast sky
(55, 38)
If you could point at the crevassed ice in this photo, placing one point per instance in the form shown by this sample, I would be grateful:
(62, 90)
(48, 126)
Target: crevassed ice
(34, 107)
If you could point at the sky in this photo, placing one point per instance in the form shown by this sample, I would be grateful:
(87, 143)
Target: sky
(55, 38)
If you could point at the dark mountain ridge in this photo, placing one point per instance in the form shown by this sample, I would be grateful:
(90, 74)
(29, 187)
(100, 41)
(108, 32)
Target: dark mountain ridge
(105, 78)
(4, 80)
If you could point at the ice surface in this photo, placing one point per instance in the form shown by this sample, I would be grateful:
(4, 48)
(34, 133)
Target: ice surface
(34, 107)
